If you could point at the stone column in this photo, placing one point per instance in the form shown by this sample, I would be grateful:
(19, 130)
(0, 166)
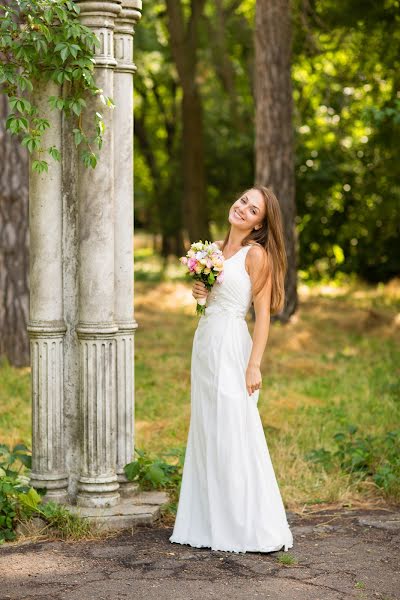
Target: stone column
(123, 188)
(46, 325)
(97, 484)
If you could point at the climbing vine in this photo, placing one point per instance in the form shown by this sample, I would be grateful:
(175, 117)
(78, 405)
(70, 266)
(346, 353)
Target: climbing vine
(44, 41)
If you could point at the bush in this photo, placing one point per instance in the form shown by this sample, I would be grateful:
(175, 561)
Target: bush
(151, 472)
(17, 499)
(370, 457)
(20, 502)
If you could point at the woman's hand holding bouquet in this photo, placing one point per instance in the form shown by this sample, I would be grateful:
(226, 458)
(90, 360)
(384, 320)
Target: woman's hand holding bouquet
(205, 263)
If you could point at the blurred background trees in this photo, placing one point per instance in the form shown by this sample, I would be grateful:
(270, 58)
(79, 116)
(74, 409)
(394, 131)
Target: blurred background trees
(274, 157)
(14, 245)
(345, 78)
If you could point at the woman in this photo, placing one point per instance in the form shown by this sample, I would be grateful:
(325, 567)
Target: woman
(229, 498)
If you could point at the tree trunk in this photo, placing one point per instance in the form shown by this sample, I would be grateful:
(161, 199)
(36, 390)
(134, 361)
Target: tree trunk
(184, 40)
(14, 246)
(274, 128)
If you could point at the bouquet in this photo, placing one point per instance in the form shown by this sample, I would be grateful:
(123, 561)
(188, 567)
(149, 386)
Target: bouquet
(205, 262)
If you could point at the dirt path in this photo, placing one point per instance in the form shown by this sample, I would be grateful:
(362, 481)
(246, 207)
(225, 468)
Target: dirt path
(339, 556)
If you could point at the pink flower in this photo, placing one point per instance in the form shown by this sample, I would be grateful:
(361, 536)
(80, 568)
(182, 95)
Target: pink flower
(183, 260)
(220, 277)
(192, 262)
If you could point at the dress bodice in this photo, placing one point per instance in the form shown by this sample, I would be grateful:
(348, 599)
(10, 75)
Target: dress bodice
(233, 295)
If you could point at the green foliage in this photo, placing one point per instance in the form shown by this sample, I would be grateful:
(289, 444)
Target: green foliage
(376, 457)
(44, 41)
(152, 472)
(17, 499)
(345, 76)
(20, 502)
(9, 459)
(345, 67)
(68, 525)
(10, 492)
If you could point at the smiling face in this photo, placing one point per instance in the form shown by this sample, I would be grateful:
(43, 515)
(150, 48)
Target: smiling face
(248, 211)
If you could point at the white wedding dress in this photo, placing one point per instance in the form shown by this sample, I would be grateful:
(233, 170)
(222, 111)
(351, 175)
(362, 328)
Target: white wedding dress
(229, 498)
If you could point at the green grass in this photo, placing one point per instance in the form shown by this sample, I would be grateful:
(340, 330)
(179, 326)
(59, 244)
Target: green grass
(15, 405)
(336, 363)
(287, 559)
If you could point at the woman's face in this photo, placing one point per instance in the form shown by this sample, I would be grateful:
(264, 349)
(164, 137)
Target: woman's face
(248, 211)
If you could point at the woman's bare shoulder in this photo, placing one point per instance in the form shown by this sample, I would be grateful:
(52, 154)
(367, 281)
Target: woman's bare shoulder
(256, 250)
(256, 257)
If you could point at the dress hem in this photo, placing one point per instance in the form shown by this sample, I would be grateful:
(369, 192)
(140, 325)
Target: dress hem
(281, 547)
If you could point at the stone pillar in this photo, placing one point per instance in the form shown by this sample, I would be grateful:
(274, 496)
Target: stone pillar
(123, 190)
(97, 484)
(46, 325)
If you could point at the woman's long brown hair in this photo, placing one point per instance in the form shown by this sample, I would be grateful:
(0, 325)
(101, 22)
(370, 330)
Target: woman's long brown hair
(270, 237)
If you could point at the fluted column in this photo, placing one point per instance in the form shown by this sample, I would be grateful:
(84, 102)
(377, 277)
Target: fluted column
(97, 484)
(46, 325)
(123, 172)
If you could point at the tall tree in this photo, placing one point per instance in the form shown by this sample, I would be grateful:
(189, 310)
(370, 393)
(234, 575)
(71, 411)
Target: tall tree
(274, 129)
(14, 245)
(184, 45)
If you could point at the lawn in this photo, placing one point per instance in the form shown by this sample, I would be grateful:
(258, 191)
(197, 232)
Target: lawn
(336, 364)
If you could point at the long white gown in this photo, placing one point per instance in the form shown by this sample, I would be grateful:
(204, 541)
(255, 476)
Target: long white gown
(229, 498)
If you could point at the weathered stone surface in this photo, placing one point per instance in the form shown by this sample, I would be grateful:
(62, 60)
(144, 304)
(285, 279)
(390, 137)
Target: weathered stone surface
(381, 522)
(142, 509)
(46, 326)
(81, 298)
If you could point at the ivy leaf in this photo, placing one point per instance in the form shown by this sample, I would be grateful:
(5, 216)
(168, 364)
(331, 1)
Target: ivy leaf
(76, 108)
(31, 142)
(16, 125)
(54, 153)
(78, 137)
(39, 166)
(64, 53)
(89, 159)
(20, 104)
(41, 124)
(110, 102)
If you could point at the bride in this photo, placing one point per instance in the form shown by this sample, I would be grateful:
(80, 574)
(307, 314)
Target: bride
(229, 497)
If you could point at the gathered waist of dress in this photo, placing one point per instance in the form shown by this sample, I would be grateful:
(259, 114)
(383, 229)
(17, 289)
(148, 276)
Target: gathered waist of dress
(229, 311)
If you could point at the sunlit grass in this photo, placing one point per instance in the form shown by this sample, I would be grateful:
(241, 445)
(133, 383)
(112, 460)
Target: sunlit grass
(337, 362)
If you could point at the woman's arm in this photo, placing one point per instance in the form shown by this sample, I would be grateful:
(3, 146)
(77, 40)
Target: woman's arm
(262, 302)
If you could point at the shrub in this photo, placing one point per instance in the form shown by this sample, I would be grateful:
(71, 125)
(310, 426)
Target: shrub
(370, 457)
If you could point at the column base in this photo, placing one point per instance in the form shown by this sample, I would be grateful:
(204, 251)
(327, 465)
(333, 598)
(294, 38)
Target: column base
(56, 485)
(143, 509)
(98, 492)
(127, 488)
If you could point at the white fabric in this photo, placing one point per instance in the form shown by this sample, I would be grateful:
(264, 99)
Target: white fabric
(229, 498)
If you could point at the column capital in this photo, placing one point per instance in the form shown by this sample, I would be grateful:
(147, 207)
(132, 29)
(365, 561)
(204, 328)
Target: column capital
(131, 12)
(96, 12)
(123, 36)
(100, 17)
